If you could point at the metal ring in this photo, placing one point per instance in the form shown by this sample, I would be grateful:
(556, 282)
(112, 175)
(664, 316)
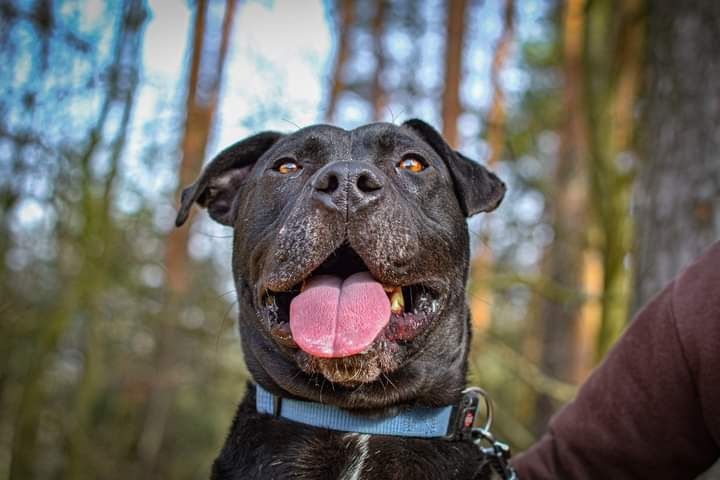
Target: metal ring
(488, 405)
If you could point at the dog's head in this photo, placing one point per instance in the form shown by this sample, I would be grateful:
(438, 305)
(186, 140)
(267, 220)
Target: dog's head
(350, 259)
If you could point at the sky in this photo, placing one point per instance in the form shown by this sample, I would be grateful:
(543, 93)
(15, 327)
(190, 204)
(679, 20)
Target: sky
(278, 58)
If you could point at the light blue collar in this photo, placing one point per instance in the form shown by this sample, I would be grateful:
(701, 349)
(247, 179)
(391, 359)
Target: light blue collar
(422, 422)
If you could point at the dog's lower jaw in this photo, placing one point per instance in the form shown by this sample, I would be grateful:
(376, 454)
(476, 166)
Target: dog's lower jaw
(418, 381)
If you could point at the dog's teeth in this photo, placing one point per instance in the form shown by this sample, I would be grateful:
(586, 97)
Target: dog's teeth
(397, 302)
(283, 335)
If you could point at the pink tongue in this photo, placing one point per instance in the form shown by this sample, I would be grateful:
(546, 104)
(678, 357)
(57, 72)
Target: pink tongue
(335, 318)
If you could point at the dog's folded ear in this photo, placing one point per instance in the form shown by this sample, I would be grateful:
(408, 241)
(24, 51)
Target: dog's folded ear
(477, 188)
(217, 187)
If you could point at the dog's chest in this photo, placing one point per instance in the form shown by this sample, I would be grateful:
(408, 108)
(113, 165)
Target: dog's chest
(342, 457)
(360, 450)
(266, 448)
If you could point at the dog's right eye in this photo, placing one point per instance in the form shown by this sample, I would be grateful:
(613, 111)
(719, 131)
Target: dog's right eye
(411, 164)
(287, 166)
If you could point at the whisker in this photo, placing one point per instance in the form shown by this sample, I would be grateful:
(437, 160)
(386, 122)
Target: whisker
(210, 235)
(291, 123)
(382, 384)
(222, 326)
(390, 381)
(297, 373)
(481, 299)
(480, 236)
(224, 294)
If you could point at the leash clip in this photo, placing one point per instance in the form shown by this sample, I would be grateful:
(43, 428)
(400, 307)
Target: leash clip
(497, 453)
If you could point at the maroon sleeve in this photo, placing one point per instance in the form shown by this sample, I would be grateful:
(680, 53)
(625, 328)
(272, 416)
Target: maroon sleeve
(652, 408)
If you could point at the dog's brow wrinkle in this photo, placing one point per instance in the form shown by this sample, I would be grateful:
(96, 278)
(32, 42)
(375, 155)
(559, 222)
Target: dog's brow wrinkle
(387, 140)
(312, 145)
(350, 145)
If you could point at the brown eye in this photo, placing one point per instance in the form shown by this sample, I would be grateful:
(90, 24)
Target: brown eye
(411, 164)
(288, 167)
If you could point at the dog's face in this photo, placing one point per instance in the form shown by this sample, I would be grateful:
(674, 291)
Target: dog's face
(350, 259)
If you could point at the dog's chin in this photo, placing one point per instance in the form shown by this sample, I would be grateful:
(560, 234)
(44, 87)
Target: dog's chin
(415, 307)
(353, 370)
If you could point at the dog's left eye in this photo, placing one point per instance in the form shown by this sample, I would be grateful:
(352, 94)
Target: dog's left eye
(288, 166)
(411, 164)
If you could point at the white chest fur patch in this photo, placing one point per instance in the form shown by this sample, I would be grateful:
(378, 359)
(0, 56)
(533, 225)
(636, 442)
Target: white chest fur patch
(360, 453)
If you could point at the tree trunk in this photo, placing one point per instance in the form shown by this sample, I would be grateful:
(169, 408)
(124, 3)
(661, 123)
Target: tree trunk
(677, 193)
(346, 17)
(482, 263)
(558, 319)
(206, 67)
(451, 107)
(613, 56)
(496, 116)
(128, 64)
(378, 96)
(677, 190)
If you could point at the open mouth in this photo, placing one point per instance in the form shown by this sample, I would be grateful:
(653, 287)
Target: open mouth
(339, 310)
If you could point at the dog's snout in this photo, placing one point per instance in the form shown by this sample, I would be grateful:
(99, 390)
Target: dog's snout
(367, 182)
(327, 184)
(348, 186)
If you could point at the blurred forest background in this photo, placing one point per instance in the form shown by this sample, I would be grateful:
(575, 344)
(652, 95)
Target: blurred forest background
(119, 356)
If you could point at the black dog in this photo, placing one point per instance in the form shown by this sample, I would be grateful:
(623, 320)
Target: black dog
(350, 260)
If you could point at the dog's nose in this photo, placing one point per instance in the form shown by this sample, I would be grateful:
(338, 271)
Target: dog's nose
(348, 186)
